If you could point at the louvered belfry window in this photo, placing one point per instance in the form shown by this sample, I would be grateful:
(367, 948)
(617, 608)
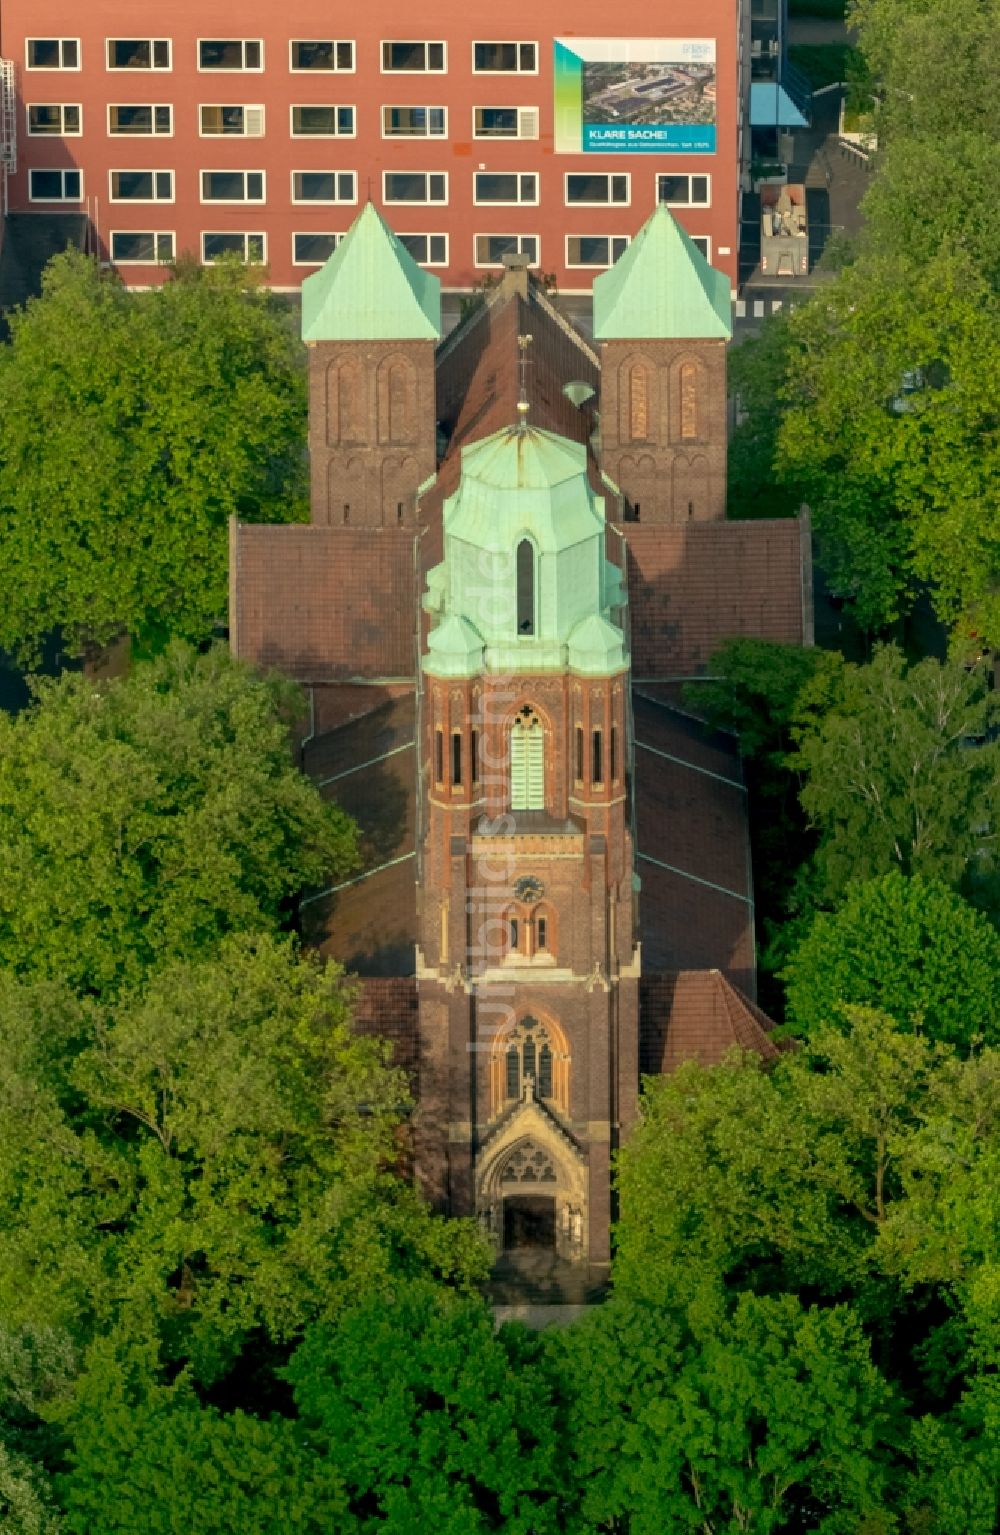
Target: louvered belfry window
(525, 587)
(527, 762)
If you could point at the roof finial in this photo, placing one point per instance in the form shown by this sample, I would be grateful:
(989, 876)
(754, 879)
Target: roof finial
(523, 406)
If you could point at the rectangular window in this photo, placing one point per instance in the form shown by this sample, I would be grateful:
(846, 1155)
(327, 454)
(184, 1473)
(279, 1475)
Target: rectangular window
(474, 754)
(614, 753)
(140, 120)
(505, 58)
(541, 940)
(142, 186)
(598, 755)
(142, 247)
(317, 122)
(313, 249)
(505, 187)
(491, 249)
(456, 760)
(579, 754)
(505, 122)
(239, 122)
(62, 120)
(428, 250)
(232, 186)
(591, 190)
(138, 53)
(594, 250)
(704, 244)
(684, 191)
(325, 53)
(413, 58)
(324, 187)
(53, 52)
(414, 122)
(55, 186)
(249, 248)
(245, 53)
(415, 186)
(439, 756)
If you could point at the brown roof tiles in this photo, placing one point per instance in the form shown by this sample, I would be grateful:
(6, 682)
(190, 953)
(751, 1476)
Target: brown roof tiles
(697, 1015)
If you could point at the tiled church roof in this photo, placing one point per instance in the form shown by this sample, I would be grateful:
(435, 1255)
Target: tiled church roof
(697, 1015)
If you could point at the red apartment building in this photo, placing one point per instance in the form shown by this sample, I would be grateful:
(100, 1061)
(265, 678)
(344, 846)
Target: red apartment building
(257, 128)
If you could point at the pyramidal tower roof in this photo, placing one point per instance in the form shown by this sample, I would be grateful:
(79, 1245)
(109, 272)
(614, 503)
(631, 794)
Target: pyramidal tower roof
(371, 289)
(662, 288)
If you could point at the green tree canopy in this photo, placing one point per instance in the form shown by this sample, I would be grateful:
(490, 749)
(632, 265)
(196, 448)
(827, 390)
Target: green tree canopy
(434, 1420)
(771, 1417)
(909, 947)
(144, 819)
(210, 1158)
(899, 775)
(903, 486)
(132, 426)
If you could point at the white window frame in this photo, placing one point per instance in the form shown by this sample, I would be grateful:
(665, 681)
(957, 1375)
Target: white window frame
(332, 106)
(51, 69)
(324, 202)
(428, 42)
(245, 235)
(416, 202)
(125, 69)
(595, 266)
(424, 234)
(492, 265)
(62, 172)
(415, 106)
(141, 170)
(335, 235)
(706, 240)
(297, 69)
(705, 175)
(157, 234)
(515, 42)
(604, 202)
(232, 202)
(63, 132)
(153, 133)
(507, 138)
(244, 107)
(520, 202)
(216, 69)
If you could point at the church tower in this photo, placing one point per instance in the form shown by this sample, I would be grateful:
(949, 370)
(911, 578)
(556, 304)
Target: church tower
(370, 318)
(528, 960)
(662, 317)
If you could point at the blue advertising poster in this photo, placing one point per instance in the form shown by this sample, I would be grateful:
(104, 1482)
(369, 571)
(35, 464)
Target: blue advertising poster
(635, 95)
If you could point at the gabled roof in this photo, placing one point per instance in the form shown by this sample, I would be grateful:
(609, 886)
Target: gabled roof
(662, 288)
(371, 289)
(698, 1015)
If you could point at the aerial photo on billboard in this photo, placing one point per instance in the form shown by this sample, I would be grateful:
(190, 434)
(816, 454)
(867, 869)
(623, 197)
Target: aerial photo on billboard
(634, 94)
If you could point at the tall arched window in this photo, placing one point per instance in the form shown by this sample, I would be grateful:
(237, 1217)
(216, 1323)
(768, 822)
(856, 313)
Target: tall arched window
(689, 400)
(525, 587)
(638, 390)
(530, 1054)
(527, 762)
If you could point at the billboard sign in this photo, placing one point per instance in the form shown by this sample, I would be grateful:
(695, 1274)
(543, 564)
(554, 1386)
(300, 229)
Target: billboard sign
(634, 94)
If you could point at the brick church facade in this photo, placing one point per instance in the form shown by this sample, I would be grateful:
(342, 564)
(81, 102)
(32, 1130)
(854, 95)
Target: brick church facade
(518, 554)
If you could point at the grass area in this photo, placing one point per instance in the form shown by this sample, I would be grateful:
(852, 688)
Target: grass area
(824, 63)
(824, 10)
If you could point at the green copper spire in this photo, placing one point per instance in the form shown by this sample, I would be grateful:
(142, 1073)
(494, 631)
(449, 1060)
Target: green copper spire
(525, 584)
(371, 289)
(662, 289)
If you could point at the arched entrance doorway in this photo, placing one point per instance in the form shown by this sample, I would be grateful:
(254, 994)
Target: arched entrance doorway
(531, 1189)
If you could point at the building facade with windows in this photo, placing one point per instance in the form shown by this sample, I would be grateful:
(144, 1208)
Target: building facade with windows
(477, 140)
(518, 554)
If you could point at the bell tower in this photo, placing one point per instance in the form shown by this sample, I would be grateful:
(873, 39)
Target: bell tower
(528, 961)
(662, 317)
(370, 318)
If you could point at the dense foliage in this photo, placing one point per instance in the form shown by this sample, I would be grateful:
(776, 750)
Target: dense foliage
(132, 427)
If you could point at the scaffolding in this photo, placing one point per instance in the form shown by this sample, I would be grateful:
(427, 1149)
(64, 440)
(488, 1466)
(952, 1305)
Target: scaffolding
(8, 118)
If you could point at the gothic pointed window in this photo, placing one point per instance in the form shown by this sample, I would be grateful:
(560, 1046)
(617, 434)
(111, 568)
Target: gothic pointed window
(525, 576)
(532, 1049)
(527, 762)
(513, 1072)
(545, 1071)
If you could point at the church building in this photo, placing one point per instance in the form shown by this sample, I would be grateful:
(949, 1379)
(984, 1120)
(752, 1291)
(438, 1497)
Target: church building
(518, 556)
